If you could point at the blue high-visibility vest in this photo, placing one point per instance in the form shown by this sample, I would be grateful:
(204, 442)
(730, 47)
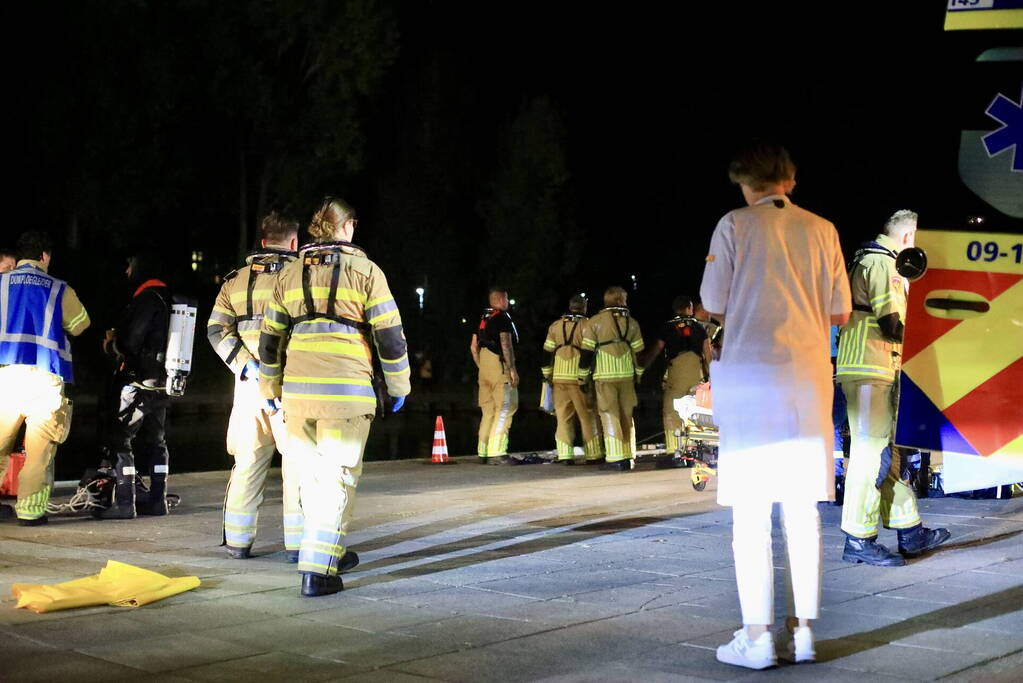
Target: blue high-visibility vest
(32, 321)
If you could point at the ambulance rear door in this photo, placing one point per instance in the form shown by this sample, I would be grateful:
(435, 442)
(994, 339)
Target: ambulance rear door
(962, 371)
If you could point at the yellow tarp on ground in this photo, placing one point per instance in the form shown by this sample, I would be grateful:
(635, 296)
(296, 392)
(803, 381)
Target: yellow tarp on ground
(118, 584)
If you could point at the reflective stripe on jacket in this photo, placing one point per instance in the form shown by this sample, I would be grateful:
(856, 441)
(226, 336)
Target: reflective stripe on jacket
(234, 324)
(326, 357)
(564, 340)
(37, 312)
(616, 339)
(864, 354)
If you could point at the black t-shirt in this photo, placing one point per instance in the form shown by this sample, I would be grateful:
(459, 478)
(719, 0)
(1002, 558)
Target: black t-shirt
(492, 324)
(681, 335)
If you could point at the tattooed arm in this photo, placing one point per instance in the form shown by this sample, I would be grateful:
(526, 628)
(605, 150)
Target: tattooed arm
(509, 357)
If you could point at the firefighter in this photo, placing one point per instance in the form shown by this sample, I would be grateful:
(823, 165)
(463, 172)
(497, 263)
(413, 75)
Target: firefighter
(138, 345)
(867, 367)
(611, 340)
(329, 308)
(253, 433)
(37, 314)
(493, 351)
(686, 347)
(572, 401)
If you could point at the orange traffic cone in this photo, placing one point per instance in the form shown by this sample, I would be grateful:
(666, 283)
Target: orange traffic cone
(440, 443)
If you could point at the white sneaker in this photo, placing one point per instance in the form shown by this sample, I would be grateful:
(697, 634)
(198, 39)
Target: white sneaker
(798, 646)
(752, 654)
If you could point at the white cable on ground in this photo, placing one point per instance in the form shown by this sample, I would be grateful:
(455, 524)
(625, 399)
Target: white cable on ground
(85, 498)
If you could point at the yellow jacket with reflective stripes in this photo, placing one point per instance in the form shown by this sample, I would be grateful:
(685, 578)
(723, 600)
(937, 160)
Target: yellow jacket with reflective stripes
(864, 354)
(615, 337)
(564, 340)
(321, 364)
(233, 329)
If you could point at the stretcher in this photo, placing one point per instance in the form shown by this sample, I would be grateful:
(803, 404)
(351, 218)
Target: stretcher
(698, 442)
(698, 439)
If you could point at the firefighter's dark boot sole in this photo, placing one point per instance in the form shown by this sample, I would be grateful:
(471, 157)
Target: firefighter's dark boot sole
(315, 585)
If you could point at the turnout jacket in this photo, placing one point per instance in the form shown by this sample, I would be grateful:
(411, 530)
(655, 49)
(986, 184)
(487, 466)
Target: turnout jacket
(613, 338)
(562, 349)
(864, 352)
(234, 324)
(315, 341)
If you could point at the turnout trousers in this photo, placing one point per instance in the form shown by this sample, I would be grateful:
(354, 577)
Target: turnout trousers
(574, 403)
(684, 373)
(616, 399)
(498, 402)
(36, 398)
(328, 457)
(252, 437)
(874, 488)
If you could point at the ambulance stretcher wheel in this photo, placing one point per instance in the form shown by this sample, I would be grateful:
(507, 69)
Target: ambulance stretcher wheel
(699, 485)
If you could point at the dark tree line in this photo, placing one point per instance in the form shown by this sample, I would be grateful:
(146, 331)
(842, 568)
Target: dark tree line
(549, 147)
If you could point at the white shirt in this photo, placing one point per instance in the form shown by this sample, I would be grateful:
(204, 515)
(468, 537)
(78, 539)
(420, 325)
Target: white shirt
(777, 274)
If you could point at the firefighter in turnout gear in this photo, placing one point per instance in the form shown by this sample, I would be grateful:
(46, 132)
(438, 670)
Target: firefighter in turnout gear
(572, 401)
(38, 312)
(253, 433)
(867, 367)
(138, 345)
(686, 347)
(611, 340)
(493, 350)
(328, 310)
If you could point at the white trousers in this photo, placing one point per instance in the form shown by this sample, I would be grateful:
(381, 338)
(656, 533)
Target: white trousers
(754, 559)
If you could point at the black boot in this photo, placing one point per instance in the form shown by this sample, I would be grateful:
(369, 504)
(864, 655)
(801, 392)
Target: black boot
(236, 553)
(868, 550)
(122, 501)
(7, 512)
(38, 521)
(314, 585)
(350, 560)
(291, 556)
(156, 502)
(619, 466)
(917, 540)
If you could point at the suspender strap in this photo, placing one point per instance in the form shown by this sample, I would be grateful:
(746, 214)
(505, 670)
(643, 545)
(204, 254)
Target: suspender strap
(234, 352)
(335, 277)
(618, 329)
(310, 307)
(248, 293)
(307, 292)
(567, 338)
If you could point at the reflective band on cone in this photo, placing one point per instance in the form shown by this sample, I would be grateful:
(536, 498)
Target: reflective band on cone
(440, 442)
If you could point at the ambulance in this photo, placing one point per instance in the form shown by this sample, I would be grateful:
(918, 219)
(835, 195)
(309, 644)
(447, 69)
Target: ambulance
(961, 381)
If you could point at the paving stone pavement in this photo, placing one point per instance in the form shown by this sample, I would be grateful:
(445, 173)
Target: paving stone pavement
(530, 573)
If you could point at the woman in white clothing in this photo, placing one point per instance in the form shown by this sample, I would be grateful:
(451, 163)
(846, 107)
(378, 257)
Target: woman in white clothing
(776, 277)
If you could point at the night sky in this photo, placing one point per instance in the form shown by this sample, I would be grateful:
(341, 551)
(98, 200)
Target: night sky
(555, 147)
